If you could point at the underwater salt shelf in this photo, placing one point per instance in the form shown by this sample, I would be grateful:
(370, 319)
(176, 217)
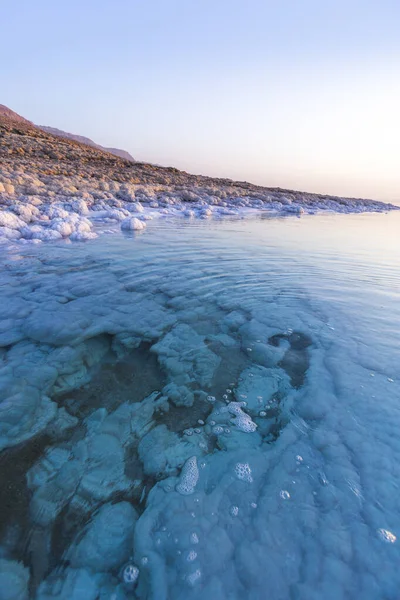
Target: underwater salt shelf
(201, 412)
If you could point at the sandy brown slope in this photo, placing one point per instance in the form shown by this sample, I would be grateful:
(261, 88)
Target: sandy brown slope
(38, 153)
(23, 143)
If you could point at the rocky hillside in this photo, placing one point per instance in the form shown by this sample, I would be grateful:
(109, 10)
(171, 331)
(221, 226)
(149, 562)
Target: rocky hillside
(39, 168)
(10, 115)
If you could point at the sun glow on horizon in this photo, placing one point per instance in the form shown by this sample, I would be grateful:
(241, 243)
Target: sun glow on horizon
(303, 97)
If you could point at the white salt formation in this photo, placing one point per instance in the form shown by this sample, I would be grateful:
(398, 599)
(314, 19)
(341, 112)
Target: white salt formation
(243, 472)
(130, 574)
(241, 420)
(189, 477)
(132, 224)
(53, 189)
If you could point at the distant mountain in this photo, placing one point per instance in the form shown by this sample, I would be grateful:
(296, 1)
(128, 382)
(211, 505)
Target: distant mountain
(122, 153)
(84, 140)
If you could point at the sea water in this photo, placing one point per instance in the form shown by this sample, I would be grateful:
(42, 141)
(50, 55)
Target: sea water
(205, 410)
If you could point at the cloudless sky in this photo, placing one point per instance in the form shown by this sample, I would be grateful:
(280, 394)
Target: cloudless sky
(302, 94)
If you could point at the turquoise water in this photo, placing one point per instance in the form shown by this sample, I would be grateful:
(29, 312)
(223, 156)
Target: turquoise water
(131, 468)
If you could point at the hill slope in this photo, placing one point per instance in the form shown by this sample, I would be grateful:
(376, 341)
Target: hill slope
(39, 167)
(8, 114)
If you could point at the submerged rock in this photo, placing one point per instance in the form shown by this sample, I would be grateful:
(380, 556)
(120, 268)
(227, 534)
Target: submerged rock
(14, 580)
(106, 542)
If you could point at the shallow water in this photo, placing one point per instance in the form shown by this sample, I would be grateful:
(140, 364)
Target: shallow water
(124, 358)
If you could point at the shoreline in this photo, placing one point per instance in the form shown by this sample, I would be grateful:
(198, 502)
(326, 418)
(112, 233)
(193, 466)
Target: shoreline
(54, 188)
(44, 217)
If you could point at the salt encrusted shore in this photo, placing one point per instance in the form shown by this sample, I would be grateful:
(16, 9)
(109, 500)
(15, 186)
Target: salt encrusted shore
(170, 436)
(38, 208)
(53, 188)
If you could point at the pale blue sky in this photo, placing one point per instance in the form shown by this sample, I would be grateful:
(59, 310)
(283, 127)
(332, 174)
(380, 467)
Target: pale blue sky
(291, 93)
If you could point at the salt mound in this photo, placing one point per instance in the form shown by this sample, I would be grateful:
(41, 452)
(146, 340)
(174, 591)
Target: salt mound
(132, 224)
(10, 220)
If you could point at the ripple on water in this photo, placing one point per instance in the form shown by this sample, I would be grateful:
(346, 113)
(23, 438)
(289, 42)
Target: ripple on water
(270, 295)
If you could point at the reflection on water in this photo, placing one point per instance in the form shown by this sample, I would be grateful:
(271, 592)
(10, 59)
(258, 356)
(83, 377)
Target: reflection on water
(209, 410)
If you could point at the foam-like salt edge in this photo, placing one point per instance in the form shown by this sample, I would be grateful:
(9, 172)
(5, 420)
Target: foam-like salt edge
(189, 477)
(35, 211)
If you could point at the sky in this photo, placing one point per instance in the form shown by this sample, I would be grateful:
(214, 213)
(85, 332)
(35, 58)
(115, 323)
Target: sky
(300, 94)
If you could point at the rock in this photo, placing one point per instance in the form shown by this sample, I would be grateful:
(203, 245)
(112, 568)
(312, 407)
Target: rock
(14, 580)
(106, 543)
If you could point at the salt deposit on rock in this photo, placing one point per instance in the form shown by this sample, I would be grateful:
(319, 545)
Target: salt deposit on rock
(162, 451)
(10, 220)
(23, 414)
(189, 477)
(92, 470)
(259, 385)
(132, 224)
(76, 206)
(241, 420)
(62, 182)
(188, 361)
(7, 233)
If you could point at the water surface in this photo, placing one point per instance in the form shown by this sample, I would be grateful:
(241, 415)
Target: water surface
(132, 470)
